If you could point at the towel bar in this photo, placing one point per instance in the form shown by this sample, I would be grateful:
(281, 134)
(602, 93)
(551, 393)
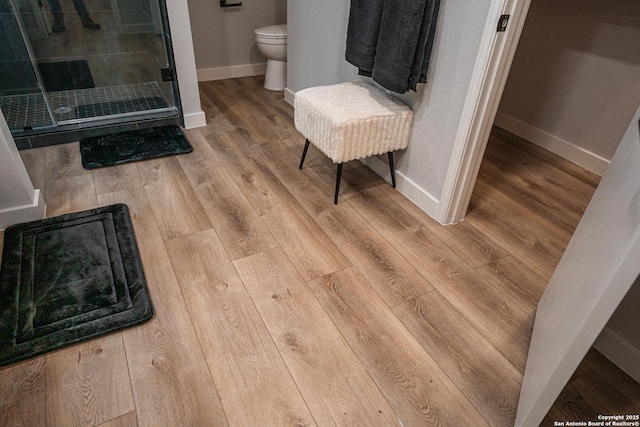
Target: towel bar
(223, 3)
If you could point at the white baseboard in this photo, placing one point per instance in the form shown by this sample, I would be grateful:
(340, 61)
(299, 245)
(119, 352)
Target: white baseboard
(289, 96)
(33, 212)
(404, 185)
(195, 120)
(221, 73)
(620, 352)
(559, 146)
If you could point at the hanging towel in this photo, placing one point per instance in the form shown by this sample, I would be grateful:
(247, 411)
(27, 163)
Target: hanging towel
(391, 40)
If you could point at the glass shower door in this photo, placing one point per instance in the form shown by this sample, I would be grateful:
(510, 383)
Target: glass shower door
(101, 59)
(22, 100)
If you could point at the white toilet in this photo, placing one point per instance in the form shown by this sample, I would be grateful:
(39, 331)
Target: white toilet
(272, 43)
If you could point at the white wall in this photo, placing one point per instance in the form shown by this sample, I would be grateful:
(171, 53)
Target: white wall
(19, 201)
(574, 79)
(317, 34)
(224, 42)
(178, 11)
(316, 44)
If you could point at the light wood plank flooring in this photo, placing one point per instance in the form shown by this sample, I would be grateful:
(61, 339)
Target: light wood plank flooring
(275, 307)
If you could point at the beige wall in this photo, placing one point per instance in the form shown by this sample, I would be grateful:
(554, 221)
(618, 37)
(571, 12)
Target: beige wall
(224, 37)
(576, 73)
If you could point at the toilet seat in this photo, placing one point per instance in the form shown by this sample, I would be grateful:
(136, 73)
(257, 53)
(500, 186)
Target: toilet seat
(272, 33)
(265, 40)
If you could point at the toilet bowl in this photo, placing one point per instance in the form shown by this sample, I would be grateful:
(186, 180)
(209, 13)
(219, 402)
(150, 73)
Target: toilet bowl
(272, 43)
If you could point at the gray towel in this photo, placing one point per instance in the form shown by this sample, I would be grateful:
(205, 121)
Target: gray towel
(391, 41)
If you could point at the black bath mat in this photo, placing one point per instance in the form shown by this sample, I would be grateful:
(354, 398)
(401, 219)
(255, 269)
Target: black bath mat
(68, 75)
(132, 146)
(68, 279)
(119, 107)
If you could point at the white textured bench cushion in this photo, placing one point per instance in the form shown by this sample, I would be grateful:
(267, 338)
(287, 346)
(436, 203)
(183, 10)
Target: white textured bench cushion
(350, 121)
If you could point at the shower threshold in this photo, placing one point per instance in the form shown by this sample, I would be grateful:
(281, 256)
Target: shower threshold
(28, 111)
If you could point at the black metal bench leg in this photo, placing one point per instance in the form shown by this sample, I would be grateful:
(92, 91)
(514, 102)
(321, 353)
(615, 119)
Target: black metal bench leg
(304, 152)
(392, 168)
(335, 199)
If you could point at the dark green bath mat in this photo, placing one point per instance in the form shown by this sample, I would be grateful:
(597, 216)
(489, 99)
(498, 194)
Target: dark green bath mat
(67, 279)
(67, 75)
(133, 146)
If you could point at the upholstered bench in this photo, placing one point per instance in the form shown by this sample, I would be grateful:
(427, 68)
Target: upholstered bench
(349, 121)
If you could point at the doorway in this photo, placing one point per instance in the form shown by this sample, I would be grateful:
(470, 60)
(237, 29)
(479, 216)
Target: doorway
(573, 86)
(70, 64)
(493, 64)
(572, 65)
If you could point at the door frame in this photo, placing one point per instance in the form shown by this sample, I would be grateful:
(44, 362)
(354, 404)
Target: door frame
(489, 77)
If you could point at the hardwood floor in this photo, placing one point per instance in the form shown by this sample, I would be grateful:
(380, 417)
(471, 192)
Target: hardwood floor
(275, 307)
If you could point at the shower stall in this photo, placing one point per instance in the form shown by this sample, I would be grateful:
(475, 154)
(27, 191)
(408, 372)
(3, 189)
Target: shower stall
(80, 67)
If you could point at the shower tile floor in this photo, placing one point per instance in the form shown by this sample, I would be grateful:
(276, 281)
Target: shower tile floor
(29, 110)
